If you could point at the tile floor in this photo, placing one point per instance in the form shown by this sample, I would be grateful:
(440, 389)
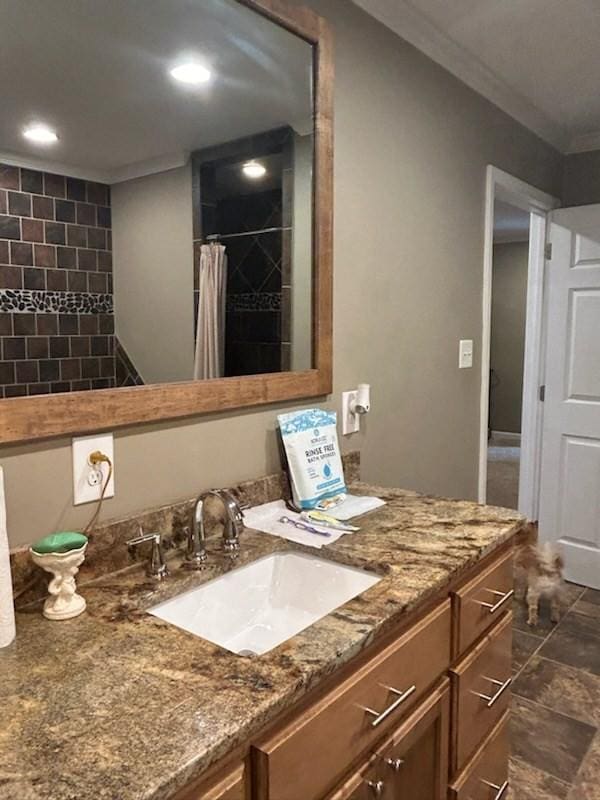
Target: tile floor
(555, 726)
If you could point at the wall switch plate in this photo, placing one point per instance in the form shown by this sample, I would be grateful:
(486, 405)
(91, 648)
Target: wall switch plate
(88, 480)
(465, 353)
(350, 421)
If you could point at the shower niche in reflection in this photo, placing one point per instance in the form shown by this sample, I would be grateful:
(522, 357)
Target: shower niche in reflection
(253, 215)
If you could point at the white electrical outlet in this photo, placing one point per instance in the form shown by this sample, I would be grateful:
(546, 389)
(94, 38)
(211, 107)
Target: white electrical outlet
(88, 479)
(350, 421)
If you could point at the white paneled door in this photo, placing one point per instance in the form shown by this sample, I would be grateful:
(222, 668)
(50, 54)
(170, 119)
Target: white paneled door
(570, 477)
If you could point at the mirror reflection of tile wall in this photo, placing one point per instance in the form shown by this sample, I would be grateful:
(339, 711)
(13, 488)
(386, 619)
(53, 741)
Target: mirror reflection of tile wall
(56, 289)
(110, 182)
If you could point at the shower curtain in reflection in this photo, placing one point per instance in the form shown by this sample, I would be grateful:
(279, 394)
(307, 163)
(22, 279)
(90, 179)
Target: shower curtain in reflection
(209, 361)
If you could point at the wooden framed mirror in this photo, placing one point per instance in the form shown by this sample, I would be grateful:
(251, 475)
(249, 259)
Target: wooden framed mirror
(166, 193)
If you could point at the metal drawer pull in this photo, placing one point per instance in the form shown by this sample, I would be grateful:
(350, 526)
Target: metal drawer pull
(491, 699)
(501, 790)
(376, 787)
(380, 716)
(493, 607)
(394, 763)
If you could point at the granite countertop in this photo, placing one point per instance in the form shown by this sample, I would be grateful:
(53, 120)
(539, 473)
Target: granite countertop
(118, 705)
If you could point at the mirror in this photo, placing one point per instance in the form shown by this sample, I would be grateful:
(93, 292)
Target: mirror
(157, 185)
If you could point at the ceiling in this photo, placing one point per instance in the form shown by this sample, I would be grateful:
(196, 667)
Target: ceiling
(98, 72)
(511, 224)
(538, 60)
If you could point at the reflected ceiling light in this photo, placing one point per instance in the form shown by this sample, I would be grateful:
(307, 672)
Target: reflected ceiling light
(41, 134)
(190, 72)
(252, 169)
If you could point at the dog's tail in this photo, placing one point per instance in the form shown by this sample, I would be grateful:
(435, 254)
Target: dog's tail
(554, 561)
(552, 556)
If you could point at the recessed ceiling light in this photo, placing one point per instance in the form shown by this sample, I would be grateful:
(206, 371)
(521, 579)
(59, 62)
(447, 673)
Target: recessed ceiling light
(41, 134)
(191, 73)
(252, 169)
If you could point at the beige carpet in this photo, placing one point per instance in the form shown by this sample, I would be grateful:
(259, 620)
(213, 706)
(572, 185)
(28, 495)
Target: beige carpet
(503, 472)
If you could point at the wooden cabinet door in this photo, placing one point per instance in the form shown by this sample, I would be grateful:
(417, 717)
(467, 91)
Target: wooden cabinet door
(412, 763)
(306, 757)
(231, 786)
(415, 762)
(419, 776)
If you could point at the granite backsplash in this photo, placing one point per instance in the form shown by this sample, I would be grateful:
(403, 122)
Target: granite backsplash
(107, 550)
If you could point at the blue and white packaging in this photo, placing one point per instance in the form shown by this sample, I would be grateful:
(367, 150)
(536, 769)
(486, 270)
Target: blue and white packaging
(313, 454)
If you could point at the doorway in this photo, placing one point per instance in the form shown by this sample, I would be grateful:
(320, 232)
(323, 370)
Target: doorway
(510, 411)
(510, 264)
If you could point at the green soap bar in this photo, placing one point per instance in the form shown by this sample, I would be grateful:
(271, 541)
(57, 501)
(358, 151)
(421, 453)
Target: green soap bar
(60, 542)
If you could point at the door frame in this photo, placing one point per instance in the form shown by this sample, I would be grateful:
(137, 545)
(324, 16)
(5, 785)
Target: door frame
(502, 185)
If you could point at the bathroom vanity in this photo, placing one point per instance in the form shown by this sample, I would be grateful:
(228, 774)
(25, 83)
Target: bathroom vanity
(422, 715)
(401, 692)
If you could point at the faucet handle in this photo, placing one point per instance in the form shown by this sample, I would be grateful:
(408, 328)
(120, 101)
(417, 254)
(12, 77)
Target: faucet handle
(156, 567)
(195, 554)
(234, 522)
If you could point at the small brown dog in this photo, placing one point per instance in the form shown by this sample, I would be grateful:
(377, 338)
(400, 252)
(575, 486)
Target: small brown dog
(538, 573)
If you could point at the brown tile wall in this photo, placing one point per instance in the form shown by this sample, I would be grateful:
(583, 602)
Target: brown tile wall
(55, 241)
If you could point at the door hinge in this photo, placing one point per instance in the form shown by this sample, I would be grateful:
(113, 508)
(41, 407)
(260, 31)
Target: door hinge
(542, 393)
(548, 251)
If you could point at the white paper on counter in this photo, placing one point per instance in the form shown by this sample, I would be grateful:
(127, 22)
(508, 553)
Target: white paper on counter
(266, 518)
(7, 607)
(354, 505)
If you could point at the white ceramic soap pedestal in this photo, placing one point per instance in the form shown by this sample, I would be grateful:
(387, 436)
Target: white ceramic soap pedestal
(64, 602)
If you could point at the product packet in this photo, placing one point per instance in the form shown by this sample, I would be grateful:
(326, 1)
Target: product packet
(313, 454)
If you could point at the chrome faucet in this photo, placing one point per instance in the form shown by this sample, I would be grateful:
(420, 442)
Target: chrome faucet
(234, 525)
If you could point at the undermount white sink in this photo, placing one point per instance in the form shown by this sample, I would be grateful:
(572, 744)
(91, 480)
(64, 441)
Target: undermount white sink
(252, 609)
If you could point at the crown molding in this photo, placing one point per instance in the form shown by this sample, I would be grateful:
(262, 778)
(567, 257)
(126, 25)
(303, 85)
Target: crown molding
(415, 28)
(55, 167)
(126, 173)
(150, 167)
(584, 143)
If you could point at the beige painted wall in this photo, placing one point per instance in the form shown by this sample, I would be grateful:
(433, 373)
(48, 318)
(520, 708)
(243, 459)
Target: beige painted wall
(153, 273)
(412, 144)
(581, 178)
(509, 303)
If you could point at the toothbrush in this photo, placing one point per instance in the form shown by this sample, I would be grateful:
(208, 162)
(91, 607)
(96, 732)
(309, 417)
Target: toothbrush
(303, 527)
(327, 521)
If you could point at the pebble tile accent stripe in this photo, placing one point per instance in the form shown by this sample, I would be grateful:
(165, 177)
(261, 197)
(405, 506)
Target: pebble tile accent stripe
(44, 302)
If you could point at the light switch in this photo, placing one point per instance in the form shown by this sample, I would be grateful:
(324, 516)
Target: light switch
(465, 353)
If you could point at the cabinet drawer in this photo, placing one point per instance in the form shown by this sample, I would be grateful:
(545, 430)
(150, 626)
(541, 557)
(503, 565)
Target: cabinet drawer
(482, 689)
(486, 776)
(412, 763)
(482, 601)
(309, 755)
